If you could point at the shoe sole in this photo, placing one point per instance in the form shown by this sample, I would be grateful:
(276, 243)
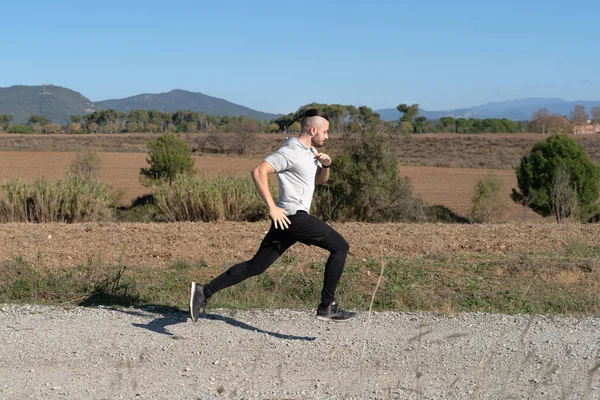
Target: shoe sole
(192, 293)
(320, 318)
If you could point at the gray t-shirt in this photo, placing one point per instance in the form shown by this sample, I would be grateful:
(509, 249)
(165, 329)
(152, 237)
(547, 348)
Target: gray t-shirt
(296, 168)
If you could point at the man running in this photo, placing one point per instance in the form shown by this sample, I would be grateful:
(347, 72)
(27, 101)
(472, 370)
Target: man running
(298, 166)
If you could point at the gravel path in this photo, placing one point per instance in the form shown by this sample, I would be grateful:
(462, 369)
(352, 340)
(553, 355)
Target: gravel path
(103, 353)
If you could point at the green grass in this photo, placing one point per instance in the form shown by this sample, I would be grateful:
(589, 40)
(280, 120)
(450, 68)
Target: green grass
(562, 282)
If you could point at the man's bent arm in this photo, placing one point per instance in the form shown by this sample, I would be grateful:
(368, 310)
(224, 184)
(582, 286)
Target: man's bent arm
(260, 175)
(322, 176)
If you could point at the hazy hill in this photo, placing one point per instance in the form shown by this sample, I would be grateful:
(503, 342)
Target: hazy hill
(176, 100)
(58, 104)
(53, 102)
(519, 109)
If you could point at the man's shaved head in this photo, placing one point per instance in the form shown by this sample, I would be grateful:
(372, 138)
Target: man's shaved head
(313, 117)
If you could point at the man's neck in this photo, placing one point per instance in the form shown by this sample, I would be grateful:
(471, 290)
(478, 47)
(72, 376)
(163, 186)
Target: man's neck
(305, 140)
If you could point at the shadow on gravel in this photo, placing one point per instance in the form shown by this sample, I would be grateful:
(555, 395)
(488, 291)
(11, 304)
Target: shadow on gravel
(239, 324)
(169, 316)
(160, 324)
(173, 316)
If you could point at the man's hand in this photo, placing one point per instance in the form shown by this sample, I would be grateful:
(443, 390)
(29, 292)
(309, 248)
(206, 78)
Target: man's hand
(278, 215)
(323, 158)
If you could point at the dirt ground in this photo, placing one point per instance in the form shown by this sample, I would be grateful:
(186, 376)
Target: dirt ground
(452, 187)
(57, 246)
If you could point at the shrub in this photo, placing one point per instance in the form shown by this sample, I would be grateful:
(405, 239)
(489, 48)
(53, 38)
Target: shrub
(168, 156)
(38, 120)
(536, 176)
(486, 202)
(86, 165)
(21, 129)
(92, 127)
(132, 127)
(51, 128)
(273, 127)
(563, 195)
(364, 185)
(74, 127)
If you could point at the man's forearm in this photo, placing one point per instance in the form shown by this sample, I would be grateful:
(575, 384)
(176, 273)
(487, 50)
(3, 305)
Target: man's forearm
(323, 176)
(261, 181)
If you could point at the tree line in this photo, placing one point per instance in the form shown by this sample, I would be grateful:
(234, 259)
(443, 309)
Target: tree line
(343, 119)
(112, 121)
(543, 121)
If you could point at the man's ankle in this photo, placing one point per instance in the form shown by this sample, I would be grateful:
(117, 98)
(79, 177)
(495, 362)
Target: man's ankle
(325, 304)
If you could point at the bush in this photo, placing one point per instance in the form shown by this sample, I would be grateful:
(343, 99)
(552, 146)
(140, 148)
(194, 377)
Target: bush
(92, 127)
(74, 127)
(21, 129)
(273, 127)
(486, 202)
(229, 198)
(86, 165)
(132, 127)
(68, 200)
(38, 120)
(364, 185)
(51, 128)
(168, 156)
(536, 176)
(563, 195)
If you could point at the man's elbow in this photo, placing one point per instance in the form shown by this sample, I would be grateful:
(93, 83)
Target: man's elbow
(257, 173)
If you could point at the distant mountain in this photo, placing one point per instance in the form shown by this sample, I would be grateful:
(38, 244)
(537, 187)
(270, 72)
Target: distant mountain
(53, 102)
(176, 100)
(58, 104)
(518, 110)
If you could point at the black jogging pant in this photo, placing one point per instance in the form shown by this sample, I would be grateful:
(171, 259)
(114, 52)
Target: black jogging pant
(304, 228)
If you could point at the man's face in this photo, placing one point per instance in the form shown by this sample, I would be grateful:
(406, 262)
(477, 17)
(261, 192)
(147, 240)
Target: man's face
(320, 131)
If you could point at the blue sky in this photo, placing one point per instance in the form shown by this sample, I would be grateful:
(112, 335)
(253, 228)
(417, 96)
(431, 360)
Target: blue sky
(275, 56)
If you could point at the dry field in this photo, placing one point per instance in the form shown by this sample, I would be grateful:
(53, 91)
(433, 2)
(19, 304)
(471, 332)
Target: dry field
(119, 170)
(57, 246)
(452, 187)
(491, 151)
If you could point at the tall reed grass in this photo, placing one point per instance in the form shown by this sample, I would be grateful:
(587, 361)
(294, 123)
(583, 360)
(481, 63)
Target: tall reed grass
(72, 199)
(221, 198)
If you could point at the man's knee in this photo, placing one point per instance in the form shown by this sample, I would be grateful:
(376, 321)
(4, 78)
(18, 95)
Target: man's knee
(334, 243)
(346, 246)
(256, 268)
(342, 246)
